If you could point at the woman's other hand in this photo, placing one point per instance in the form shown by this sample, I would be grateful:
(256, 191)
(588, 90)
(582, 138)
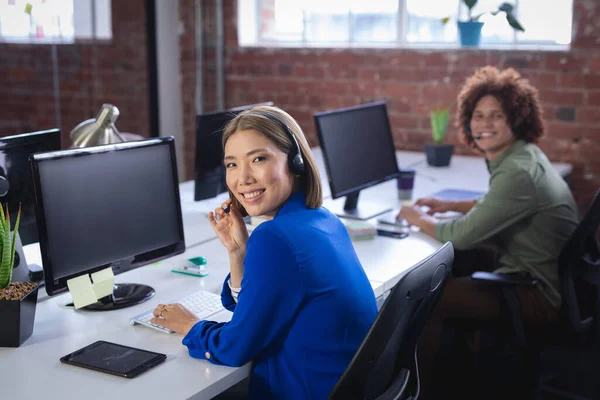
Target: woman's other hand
(230, 227)
(175, 317)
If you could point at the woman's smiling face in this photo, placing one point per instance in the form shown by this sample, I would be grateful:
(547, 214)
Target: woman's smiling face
(257, 173)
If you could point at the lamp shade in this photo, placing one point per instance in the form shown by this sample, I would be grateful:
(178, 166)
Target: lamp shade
(99, 130)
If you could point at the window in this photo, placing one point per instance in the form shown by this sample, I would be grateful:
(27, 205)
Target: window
(397, 23)
(54, 21)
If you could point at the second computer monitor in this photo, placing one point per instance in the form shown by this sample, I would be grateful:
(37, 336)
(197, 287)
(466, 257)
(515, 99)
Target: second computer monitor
(358, 150)
(114, 206)
(209, 178)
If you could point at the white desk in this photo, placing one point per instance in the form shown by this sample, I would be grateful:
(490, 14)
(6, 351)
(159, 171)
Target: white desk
(58, 331)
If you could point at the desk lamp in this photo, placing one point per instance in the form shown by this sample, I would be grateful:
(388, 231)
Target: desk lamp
(99, 130)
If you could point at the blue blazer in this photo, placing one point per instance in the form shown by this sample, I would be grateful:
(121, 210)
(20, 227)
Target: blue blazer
(304, 308)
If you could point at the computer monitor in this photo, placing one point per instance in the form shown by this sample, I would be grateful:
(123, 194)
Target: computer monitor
(113, 206)
(358, 150)
(16, 184)
(209, 180)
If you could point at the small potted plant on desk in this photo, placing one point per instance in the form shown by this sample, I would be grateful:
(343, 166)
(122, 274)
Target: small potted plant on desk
(470, 30)
(17, 299)
(439, 154)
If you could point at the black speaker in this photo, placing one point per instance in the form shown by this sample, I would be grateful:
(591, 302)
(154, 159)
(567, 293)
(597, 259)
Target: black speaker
(20, 267)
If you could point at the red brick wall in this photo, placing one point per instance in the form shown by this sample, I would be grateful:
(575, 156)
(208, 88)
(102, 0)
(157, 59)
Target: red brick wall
(304, 81)
(90, 74)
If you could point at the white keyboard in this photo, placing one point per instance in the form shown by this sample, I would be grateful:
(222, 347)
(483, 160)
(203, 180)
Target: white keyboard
(201, 303)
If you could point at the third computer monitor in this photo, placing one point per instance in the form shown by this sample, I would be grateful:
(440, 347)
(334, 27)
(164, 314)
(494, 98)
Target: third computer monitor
(209, 178)
(16, 184)
(358, 150)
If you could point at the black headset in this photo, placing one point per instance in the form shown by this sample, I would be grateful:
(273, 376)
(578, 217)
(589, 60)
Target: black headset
(295, 161)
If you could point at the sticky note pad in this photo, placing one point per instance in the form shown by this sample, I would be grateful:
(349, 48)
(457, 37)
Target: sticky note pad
(82, 291)
(103, 282)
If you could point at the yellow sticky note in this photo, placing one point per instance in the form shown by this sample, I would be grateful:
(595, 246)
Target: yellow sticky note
(82, 291)
(103, 282)
(28, 8)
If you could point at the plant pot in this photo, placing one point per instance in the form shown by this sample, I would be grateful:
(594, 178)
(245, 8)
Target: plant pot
(470, 33)
(16, 319)
(438, 155)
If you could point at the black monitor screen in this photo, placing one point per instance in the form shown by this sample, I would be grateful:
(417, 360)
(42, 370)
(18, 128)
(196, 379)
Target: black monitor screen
(210, 171)
(16, 185)
(357, 146)
(115, 205)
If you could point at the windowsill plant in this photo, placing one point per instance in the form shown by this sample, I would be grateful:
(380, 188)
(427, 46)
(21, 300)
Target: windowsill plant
(470, 30)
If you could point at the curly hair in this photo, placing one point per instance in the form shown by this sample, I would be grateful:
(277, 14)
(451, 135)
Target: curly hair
(518, 97)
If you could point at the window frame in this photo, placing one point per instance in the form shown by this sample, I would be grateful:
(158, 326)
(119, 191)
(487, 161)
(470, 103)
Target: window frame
(400, 42)
(92, 21)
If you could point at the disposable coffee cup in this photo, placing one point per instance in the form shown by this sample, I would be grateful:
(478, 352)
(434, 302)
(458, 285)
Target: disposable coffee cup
(405, 184)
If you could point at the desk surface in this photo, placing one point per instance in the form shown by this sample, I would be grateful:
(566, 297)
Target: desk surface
(59, 331)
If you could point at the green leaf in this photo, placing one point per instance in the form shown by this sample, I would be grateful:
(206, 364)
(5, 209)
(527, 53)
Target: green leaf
(445, 20)
(14, 238)
(470, 3)
(506, 7)
(439, 124)
(5, 265)
(512, 21)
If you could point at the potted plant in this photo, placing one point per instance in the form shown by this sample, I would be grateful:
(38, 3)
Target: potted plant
(17, 299)
(439, 154)
(470, 30)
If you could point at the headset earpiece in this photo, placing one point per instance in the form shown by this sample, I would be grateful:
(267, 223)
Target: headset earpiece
(295, 161)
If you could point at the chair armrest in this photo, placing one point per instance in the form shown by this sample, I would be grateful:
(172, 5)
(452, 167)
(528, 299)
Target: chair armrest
(504, 279)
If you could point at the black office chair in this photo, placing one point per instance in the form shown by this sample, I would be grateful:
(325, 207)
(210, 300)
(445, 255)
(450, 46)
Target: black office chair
(385, 367)
(578, 329)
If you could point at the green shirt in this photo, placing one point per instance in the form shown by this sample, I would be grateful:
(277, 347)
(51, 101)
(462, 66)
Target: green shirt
(528, 212)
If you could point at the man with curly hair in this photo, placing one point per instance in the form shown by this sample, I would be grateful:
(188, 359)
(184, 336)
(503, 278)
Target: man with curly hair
(528, 212)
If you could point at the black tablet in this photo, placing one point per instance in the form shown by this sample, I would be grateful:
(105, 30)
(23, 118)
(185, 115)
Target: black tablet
(113, 358)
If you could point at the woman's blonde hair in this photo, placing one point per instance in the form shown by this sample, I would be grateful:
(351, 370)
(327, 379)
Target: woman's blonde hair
(310, 180)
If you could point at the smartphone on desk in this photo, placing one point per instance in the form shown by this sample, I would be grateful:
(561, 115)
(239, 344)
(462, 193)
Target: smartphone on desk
(114, 359)
(393, 234)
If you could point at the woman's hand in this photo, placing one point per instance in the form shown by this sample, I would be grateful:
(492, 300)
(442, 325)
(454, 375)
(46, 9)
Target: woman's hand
(175, 317)
(230, 228)
(435, 205)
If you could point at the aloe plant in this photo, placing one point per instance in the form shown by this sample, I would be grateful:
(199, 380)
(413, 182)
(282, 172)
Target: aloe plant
(7, 246)
(439, 123)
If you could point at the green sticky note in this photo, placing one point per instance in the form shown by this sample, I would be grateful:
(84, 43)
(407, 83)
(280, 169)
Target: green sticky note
(28, 8)
(82, 291)
(103, 282)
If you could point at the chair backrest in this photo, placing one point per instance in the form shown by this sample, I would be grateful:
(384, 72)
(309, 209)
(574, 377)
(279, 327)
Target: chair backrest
(388, 350)
(579, 270)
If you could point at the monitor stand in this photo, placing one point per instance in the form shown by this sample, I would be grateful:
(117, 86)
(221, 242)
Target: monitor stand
(124, 295)
(350, 208)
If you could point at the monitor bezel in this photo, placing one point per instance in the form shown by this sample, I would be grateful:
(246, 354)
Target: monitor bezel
(232, 112)
(26, 138)
(317, 116)
(59, 285)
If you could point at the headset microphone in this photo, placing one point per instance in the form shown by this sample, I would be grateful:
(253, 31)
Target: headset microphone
(470, 134)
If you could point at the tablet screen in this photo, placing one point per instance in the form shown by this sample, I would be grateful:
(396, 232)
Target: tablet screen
(114, 358)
